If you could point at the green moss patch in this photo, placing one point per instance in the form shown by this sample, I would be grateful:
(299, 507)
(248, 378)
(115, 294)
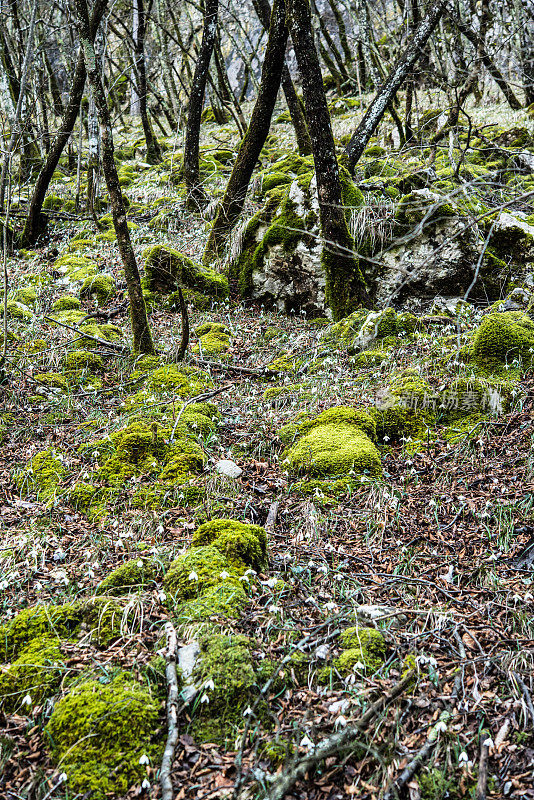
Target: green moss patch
(365, 649)
(502, 339)
(35, 674)
(243, 545)
(167, 269)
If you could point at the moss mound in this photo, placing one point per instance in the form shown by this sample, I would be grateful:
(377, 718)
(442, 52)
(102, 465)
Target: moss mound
(363, 646)
(201, 568)
(35, 673)
(502, 339)
(361, 328)
(100, 286)
(244, 546)
(43, 475)
(98, 733)
(167, 269)
(132, 575)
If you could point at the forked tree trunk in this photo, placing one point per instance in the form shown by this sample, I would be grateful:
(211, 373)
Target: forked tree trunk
(142, 339)
(196, 101)
(254, 139)
(345, 286)
(34, 222)
(394, 81)
(263, 10)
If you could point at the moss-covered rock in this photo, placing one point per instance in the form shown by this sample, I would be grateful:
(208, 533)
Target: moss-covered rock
(361, 328)
(198, 570)
(16, 310)
(98, 733)
(214, 338)
(167, 269)
(225, 664)
(365, 649)
(224, 600)
(75, 269)
(502, 339)
(43, 475)
(66, 302)
(243, 545)
(84, 359)
(36, 673)
(101, 286)
(130, 576)
(336, 443)
(26, 296)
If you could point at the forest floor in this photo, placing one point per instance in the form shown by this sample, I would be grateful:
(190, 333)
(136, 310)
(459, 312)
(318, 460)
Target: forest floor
(434, 551)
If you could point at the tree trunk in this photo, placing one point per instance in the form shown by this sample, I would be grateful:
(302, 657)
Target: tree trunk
(294, 105)
(142, 339)
(34, 222)
(345, 287)
(394, 81)
(196, 101)
(153, 151)
(253, 141)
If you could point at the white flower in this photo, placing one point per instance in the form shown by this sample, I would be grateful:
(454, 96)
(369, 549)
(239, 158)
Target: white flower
(244, 578)
(63, 778)
(463, 757)
(160, 528)
(140, 564)
(271, 583)
(273, 609)
(193, 576)
(204, 698)
(340, 722)
(144, 759)
(145, 784)
(441, 726)
(224, 575)
(247, 711)
(209, 684)
(330, 606)
(162, 596)
(306, 742)
(488, 742)
(27, 701)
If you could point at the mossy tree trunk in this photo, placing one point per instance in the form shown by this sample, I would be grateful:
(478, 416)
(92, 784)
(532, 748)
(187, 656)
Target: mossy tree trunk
(345, 286)
(35, 223)
(394, 81)
(196, 101)
(294, 105)
(254, 139)
(142, 339)
(153, 151)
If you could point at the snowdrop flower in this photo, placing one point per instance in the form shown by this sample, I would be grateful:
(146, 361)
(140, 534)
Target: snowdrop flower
(63, 778)
(160, 529)
(145, 784)
(27, 701)
(193, 576)
(247, 712)
(250, 572)
(340, 722)
(271, 583)
(204, 698)
(441, 726)
(140, 564)
(162, 596)
(359, 665)
(244, 578)
(306, 742)
(273, 609)
(209, 684)
(463, 758)
(488, 742)
(224, 575)
(330, 606)
(144, 759)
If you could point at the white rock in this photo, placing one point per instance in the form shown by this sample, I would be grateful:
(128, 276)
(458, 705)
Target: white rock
(228, 468)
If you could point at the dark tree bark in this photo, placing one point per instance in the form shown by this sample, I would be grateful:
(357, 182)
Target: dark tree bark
(35, 222)
(394, 81)
(196, 101)
(263, 10)
(153, 151)
(142, 339)
(345, 287)
(253, 141)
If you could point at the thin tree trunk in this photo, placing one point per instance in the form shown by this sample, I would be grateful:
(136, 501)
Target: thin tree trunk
(135, 105)
(34, 222)
(196, 101)
(345, 287)
(142, 339)
(18, 110)
(153, 151)
(294, 105)
(252, 143)
(394, 81)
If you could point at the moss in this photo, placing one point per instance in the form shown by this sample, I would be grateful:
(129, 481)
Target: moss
(52, 202)
(226, 660)
(76, 268)
(359, 329)
(179, 381)
(503, 338)
(28, 297)
(98, 733)
(364, 646)
(16, 311)
(87, 498)
(201, 568)
(43, 476)
(370, 358)
(102, 286)
(71, 316)
(134, 574)
(84, 359)
(36, 672)
(335, 443)
(52, 379)
(223, 600)
(66, 302)
(243, 545)
(33, 346)
(422, 205)
(271, 179)
(213, 338)
(167, 269)
(396, 423)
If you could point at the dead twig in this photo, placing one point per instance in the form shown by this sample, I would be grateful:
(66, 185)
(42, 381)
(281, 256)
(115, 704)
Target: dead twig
(200, 398)
(272, 517)
(482, 782)
(119, 347)
(337, 743)
(184, 342)
(410, 769)
(526, 694)
(172, 712)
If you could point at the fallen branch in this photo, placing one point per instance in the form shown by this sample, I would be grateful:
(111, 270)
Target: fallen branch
(198, 399)
(119, 347)
(482, 782)
(107, 315)
(410, 769)
(261, 373)
(172, 712)
(272, 516)
(184, 343)
(338, 743)
(526, 694)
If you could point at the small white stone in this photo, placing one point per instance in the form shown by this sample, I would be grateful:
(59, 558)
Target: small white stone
(228, 468)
